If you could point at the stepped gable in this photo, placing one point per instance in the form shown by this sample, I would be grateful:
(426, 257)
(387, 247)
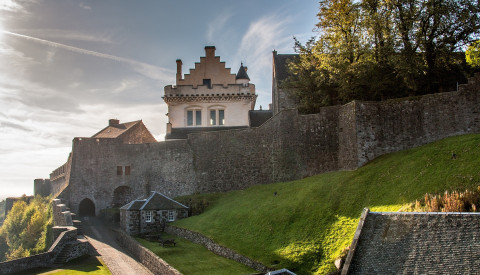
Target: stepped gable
(415, 243)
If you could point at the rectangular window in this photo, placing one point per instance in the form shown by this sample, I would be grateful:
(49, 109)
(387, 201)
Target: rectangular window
(119, 170)
(189, 118)
(171, 215)
(213, 117)
(127, 170)
(221, 117)
(208, 83)
(148, 216)
(198, 117)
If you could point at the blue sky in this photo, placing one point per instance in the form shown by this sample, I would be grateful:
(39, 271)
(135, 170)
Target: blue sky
(66, 66)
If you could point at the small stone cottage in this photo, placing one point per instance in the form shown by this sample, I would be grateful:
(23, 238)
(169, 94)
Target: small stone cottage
(149, 215)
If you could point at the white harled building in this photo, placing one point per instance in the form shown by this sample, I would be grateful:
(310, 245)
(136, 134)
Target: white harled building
(208, 98)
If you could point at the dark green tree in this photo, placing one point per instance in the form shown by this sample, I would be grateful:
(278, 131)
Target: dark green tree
(380, 49)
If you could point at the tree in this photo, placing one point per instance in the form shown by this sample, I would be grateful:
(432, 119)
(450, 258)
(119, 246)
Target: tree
(27, 228)
(380, 49)
(472, 55)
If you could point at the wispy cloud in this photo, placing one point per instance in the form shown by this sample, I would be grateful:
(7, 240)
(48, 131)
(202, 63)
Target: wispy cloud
(84, 6)
(65, 34)
(262, 37)
(147, 70)
(217, 24)
(15, 5)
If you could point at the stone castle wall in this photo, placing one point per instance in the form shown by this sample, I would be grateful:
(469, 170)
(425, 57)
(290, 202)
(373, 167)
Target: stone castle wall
(288, 146)
(165, 166)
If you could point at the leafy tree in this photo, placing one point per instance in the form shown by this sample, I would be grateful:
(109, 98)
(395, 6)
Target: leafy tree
(380, 49)
(27, 228)
(472, 54)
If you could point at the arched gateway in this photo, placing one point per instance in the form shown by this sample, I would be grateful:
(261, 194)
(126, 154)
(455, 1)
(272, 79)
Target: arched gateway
(86, 208)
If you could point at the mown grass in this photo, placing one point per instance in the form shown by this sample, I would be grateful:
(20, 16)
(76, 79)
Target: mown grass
(310, 222)
(84, 265)
(193, 259)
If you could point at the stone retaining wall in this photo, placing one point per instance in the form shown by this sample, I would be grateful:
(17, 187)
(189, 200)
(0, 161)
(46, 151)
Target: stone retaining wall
(214, 247)
(149, 259)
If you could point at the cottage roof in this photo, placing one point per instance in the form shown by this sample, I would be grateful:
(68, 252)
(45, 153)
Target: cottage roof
(159, 201)
(242, 73)
(134, 205)
(415, 243)
(115, 130)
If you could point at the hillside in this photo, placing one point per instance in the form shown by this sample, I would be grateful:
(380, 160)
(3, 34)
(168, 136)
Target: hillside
(306, 224)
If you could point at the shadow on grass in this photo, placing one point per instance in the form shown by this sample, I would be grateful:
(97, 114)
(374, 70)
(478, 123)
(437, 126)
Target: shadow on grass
(84, 264)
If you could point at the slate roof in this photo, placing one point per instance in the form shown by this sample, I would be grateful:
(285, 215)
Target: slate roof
(114, 131)
(258, 117)
(281, 65)
(156, 201)
(415, 243)
(242, 73)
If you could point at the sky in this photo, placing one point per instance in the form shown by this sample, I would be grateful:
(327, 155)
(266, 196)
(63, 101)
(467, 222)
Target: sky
(67, 67)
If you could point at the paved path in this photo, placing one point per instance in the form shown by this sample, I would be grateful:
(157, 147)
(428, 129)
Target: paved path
(115, 257)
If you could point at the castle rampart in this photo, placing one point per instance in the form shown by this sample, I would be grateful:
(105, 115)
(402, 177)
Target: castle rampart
(286, 147)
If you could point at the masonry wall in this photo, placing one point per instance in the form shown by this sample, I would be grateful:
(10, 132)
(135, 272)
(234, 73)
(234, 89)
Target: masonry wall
(166, 167)
(394, 125)
(286, 147)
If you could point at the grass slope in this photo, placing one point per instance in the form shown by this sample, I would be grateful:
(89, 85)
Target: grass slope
(194, 259)
(310, 222)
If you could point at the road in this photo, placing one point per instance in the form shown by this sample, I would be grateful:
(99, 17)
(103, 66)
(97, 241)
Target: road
(115, 257)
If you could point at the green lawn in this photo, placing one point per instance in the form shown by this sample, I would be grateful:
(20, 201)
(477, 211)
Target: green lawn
(310, 222)
(192, 259)
(84, 265)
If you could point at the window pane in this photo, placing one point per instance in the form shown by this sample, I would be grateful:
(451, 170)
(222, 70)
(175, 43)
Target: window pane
(198, 118)
(119, 170)
(127, 170)
(213, 117)
(221, 117)
(189, 118)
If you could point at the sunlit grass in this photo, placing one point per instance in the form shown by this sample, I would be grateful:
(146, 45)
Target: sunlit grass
(310, 222)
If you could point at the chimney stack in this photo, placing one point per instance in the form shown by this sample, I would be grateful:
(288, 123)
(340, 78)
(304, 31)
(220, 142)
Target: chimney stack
(179, 70)
(210, 51)
(113, 122)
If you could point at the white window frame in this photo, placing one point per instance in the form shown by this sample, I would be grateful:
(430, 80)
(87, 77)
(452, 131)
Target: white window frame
(217, 110)
(171, 215)
(148, 216)
(194, 111)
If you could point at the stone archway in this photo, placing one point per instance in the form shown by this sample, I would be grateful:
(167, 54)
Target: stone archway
(121, 196)
(86, 208)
